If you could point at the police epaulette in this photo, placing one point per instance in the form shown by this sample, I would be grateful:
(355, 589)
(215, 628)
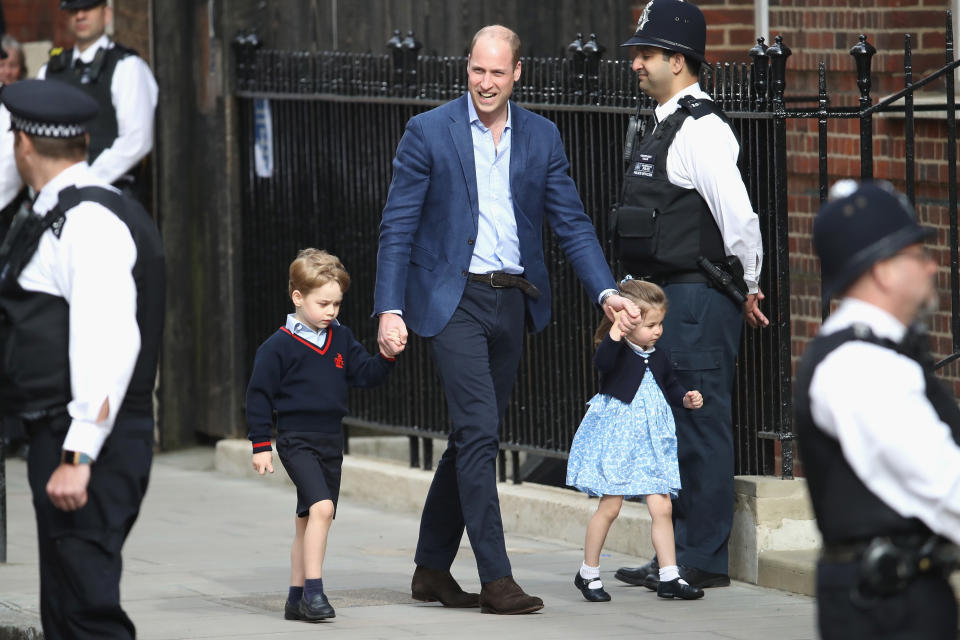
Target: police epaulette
(698, 107)
(123, 51)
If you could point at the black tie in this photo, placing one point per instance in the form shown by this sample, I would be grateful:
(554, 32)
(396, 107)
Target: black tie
(82, 70)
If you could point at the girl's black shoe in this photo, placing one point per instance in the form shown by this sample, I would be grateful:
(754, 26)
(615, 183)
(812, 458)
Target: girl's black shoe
(677, 589)
(592, 595)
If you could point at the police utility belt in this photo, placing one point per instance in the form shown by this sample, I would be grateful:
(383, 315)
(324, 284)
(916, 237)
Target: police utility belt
(888, 564)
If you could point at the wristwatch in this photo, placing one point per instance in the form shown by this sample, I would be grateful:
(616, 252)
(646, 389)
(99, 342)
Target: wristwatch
(607, 294)
(75, 457)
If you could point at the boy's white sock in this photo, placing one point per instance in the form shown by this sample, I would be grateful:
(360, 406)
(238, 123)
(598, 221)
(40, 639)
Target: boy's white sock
(589, 573)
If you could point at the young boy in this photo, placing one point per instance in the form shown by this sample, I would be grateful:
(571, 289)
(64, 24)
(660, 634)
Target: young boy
(302, 372)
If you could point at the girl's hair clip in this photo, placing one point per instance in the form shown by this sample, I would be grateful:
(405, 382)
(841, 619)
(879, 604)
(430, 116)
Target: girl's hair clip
(626, 277)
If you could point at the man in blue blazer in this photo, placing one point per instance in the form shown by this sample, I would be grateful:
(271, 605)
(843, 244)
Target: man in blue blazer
(461, 263)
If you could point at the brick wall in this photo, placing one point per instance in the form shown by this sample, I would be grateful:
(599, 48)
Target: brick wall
(32, 20)
(824, 30)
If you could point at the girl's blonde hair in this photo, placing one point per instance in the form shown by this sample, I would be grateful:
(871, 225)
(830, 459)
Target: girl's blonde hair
(314, 268)
(645, 295)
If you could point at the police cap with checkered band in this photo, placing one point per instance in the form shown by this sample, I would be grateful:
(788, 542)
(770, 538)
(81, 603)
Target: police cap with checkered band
(673, 25)
(76, 5)
(48, 108)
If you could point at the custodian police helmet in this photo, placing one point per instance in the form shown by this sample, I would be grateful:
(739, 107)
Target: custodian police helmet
(865, 224)
(673, 25)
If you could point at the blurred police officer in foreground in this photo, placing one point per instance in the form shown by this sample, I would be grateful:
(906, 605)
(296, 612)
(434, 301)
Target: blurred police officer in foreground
(119, 80)
(684, 221)
(878, 433)
(81, 317)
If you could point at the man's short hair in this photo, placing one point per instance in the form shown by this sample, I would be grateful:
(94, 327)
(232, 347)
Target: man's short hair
(693, 65)
(73, 148)
(314, 268)
(503, 33)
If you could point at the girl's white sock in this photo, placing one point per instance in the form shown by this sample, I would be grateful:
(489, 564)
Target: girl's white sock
(589, 573)
(669, 573)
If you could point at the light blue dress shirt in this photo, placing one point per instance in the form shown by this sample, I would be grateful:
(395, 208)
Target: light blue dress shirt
(301, 330)
(497, 247)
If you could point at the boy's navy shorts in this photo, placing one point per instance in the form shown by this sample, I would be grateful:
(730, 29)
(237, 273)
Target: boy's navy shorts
(313, 460)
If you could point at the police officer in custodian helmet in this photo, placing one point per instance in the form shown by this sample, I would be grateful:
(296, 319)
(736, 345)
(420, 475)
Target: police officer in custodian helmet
(878, 433)
(684, 220)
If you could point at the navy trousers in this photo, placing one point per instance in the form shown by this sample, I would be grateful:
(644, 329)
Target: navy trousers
(80, 562)
(477, 355)
(701, 333)
(926, 609)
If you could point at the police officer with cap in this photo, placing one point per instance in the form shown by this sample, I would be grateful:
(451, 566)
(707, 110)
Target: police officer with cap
(878, 433)
(684, 221)
(121, 134)
(81, 317)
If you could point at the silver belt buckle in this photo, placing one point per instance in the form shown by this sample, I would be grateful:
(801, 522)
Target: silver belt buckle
(492, 284)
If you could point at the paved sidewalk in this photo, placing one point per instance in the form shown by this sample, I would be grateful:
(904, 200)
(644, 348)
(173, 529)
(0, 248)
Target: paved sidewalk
(208, 558)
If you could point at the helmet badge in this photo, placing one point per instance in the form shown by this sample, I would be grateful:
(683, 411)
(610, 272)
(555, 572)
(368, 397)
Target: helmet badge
(645, 16)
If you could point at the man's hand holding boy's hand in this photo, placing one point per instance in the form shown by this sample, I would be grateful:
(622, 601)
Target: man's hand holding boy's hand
(263, 462)
(692, 400)
(392, 335)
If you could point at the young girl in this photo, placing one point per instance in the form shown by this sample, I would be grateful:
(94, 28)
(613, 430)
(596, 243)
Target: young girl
(626, 444)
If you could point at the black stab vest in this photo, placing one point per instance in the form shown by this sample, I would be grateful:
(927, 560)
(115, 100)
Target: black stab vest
(94, 80)
(660, 229)
(34, 326)
(846, 510)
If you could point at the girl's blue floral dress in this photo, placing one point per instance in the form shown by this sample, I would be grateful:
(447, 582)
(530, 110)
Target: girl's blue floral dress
(626, 449)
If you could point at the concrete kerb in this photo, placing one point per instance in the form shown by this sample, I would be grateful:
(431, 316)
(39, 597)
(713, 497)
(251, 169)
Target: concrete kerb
(529, 509)
(772, 516)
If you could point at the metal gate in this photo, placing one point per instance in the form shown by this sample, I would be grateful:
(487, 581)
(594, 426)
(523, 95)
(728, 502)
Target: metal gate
(335, 121)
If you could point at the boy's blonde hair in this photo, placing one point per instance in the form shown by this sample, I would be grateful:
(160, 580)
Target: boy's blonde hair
(314, 268)
(645, 295)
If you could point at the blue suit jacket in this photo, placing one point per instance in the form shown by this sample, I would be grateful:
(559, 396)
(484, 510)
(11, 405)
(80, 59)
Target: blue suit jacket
(429, 223)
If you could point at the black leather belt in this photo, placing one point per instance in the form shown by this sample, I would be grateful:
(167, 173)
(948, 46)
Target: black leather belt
(503, 280)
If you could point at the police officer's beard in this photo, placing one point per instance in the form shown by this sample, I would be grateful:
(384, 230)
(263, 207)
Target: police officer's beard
(928, 307)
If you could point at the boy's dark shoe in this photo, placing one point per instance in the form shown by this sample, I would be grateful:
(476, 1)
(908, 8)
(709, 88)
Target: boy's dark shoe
(505, 597)
(591, 595)
(646, 576)
(317, 609)
(291, 610)
(704, 579)
(436, 585)
(676, 589)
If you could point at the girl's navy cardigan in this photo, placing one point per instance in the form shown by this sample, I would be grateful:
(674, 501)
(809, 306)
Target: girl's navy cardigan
(622, 370)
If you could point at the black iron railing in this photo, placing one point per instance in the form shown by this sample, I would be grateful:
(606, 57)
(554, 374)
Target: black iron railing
(336, 120)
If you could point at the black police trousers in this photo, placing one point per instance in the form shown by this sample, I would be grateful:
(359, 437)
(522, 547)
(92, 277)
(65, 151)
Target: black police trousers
(80, 562)
(926, 609)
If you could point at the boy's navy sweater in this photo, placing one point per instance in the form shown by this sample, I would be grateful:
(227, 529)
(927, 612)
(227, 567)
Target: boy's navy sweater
(307, 385)
(622, 370)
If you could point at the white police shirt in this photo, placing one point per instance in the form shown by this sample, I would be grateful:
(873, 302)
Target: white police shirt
(91, 267)
(133, 92)
(10, 181)
(872, 400)
(703, 156)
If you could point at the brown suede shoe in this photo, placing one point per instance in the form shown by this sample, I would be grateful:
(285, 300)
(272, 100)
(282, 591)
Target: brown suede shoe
(432, 585)
(505, 597)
